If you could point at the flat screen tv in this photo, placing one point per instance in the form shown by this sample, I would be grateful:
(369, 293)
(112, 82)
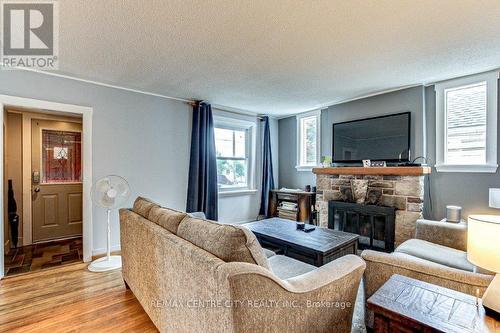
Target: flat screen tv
(385, 138)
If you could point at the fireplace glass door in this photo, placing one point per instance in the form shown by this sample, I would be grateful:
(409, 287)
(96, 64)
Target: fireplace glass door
(373, 224)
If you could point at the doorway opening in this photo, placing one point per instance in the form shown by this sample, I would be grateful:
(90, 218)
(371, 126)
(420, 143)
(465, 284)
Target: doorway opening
(43, 187)
(46, 179)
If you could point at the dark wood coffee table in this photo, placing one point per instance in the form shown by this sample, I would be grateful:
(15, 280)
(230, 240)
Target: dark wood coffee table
(403, 304)
(317, 247)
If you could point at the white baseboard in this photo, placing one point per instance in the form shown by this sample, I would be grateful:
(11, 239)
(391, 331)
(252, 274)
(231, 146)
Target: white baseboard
(97, 252)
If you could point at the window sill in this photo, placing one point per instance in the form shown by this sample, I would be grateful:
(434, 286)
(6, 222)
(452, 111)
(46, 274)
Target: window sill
(235, 193)
(485, 168)
(305, 167)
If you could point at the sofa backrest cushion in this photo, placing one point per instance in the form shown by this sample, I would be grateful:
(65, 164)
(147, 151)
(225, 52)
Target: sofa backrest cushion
(166, 217)
(142, 206)
(231, 243)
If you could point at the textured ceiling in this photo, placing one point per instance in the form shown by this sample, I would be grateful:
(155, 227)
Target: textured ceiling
(280, 56)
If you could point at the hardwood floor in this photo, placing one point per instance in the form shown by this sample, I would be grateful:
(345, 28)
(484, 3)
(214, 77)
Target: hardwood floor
(70, 299)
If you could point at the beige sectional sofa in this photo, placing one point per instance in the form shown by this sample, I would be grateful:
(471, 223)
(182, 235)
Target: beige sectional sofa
(436, 255)
(195, 275)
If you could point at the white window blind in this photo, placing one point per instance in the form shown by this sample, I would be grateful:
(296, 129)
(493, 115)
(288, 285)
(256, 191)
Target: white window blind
(308, 140)
(466, 124)
(308, 127)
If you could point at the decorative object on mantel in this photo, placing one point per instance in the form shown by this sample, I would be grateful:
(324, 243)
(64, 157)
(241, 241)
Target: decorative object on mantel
(483, 250)
(326, 161)
(378, 164)
(453, 214)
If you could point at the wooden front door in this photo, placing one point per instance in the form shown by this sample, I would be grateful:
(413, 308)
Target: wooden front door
(56, 179)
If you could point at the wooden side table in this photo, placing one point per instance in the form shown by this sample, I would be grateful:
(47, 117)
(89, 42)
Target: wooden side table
(304, 200)
(403, 304)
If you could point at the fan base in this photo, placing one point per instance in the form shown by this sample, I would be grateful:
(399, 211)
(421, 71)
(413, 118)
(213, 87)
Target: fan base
(104, 264)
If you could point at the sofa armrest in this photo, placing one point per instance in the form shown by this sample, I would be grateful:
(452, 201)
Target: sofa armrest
(321, 300)
(307, 282)
(326, 274)
(381, 266)
(452, 235)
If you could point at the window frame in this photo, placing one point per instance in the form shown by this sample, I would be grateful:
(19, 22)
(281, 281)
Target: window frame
(249, 128)
(299, 165)
(491, 165)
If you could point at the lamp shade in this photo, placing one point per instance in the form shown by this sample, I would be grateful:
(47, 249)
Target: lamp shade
(495, 197)
(483, 241)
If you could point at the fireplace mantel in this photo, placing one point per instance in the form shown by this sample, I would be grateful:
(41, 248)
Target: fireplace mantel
(385, 171)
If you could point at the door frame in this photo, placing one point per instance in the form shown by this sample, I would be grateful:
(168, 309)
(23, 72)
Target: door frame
(60, 108)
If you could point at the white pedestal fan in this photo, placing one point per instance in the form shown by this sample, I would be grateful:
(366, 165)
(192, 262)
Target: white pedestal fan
(109, 192)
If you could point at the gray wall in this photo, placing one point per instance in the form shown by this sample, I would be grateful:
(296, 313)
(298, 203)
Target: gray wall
(143, 138)
(288, 175)
(469, 190)
(274, 129)
(410, 99)
(244, 207)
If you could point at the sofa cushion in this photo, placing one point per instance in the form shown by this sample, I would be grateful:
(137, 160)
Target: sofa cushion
(268, 253)
(436, 253)
(166, 217)
(142, 206)
(286, 267)
(198, 215)
(228, 242)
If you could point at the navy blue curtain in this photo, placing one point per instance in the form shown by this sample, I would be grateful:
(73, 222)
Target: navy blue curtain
(267, 169)
(202, 185)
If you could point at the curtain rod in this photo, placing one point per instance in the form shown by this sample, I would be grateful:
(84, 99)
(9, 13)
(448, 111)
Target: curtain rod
(233, 112)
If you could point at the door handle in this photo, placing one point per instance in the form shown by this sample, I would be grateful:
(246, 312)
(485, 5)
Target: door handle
(37, 189)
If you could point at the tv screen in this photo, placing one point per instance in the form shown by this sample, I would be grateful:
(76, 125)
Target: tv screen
(385, 138)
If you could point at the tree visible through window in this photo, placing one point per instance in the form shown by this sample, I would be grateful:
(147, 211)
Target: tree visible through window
(232, 157)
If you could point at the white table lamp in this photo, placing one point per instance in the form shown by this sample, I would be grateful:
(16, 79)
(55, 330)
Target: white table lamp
(483, 250)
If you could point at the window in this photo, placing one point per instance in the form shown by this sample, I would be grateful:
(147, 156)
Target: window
(308, 140)
(233, 145)
(466, 118)
(61, 156)
(232, 160)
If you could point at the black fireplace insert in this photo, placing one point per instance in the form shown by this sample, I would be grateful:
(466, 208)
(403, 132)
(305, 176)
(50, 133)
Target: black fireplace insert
(375, 225)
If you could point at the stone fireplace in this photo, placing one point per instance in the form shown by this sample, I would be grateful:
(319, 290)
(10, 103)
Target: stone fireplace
(401, 188)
